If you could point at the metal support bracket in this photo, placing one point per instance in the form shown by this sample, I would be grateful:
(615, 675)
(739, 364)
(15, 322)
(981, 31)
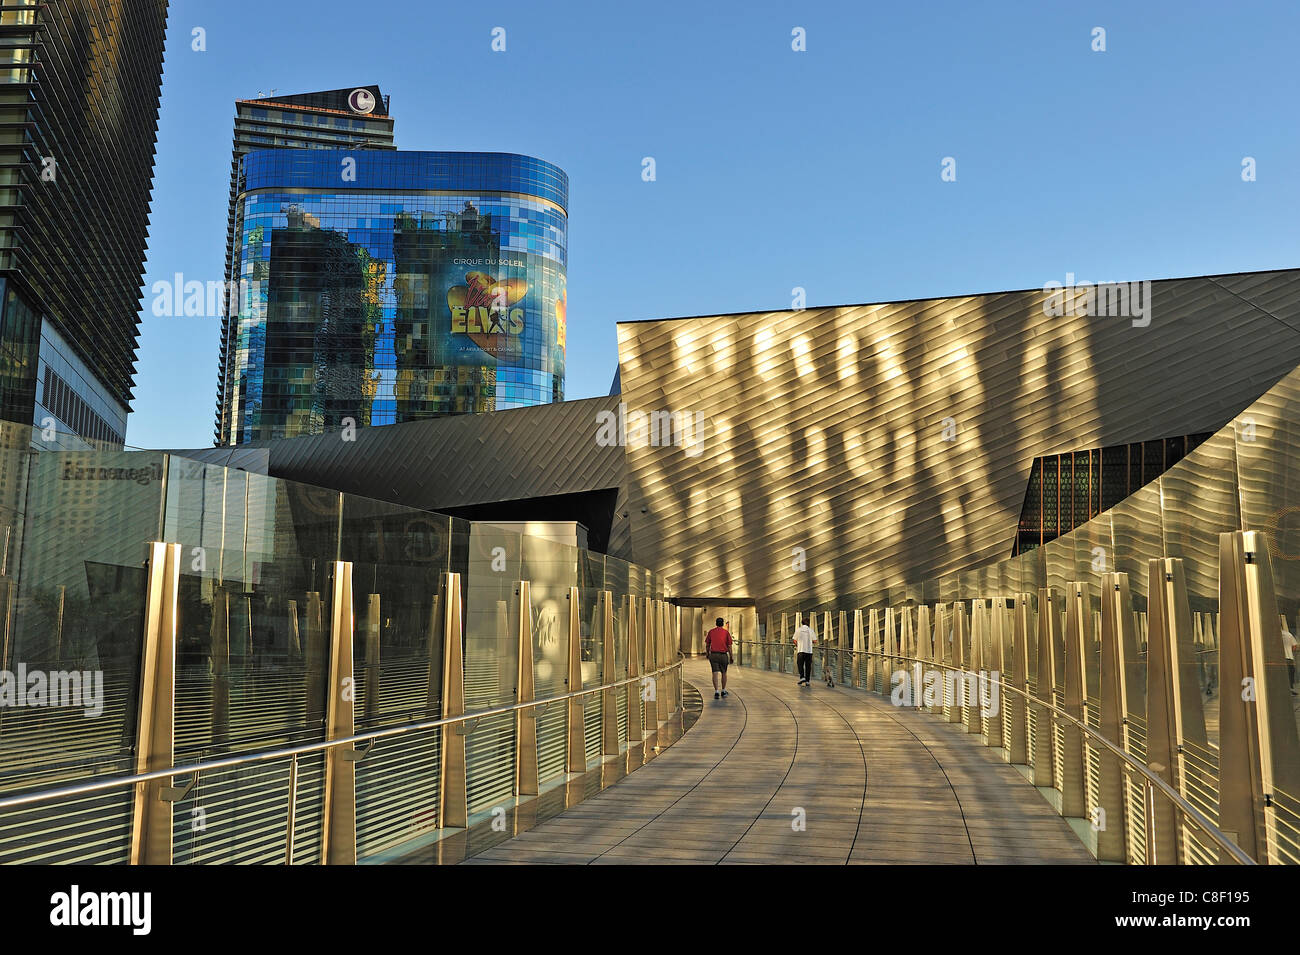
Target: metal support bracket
(177, 793)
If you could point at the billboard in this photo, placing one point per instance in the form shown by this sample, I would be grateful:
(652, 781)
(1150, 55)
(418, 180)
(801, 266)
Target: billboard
(491, 305)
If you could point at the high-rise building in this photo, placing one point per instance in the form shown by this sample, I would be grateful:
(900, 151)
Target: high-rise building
(383, 287)
(80, 82)
(349, 118)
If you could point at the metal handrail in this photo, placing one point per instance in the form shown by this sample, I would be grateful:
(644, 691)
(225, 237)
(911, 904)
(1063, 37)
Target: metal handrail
(1203, 822)
(47, 795)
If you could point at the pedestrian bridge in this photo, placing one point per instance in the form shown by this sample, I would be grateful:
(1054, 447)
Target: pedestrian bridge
(1027, 740)
(1031, 728)
(777, 773)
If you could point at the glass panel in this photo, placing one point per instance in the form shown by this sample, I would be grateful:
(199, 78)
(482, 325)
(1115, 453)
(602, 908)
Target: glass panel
(77, 527)
(551, 569)
(252, 653)
(399, 558)
(1200, 501)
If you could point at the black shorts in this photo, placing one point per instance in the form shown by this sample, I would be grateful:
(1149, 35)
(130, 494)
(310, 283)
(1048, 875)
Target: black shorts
(719, 661)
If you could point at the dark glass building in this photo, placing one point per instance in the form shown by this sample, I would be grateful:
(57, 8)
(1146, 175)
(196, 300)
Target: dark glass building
(348, 118)
(383, 287)
(79, 89)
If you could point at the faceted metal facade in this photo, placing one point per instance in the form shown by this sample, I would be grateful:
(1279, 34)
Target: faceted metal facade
(842, 450)
(79, 90)
(845, 450)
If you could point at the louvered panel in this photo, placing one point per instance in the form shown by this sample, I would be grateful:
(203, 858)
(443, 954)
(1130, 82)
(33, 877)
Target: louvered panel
(234, 815)
(551, 741)
(591, 727)
(240, 815)
(620, 698)
(490, 762)
(45, 747)
(1137, 815)
(85, 830)
(397, 790)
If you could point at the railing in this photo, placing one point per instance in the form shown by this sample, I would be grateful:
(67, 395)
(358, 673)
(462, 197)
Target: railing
(1104, 698)
(463, 725)
(832, 660)
(335, 802)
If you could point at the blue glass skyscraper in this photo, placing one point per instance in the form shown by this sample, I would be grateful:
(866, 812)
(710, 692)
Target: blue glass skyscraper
(379, 287)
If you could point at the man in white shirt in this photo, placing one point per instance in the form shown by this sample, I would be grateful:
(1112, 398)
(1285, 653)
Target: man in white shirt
(804, 638)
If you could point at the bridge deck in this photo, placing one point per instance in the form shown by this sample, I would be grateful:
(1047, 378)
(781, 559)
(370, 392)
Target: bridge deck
(875, 783)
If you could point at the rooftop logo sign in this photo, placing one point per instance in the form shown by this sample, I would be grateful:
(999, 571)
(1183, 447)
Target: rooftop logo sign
(361, 101)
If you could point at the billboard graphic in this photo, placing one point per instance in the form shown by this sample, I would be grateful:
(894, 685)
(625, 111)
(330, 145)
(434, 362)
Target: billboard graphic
(488, 311)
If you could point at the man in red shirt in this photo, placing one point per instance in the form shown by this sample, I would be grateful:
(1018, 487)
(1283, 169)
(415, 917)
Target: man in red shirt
(718, 645)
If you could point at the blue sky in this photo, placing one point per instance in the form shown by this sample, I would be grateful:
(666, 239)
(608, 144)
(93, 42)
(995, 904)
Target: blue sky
(775, 169)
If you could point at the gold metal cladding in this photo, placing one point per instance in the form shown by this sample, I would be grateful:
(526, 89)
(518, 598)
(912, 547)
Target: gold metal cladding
(940, 653)
(1117, 647)
(1000, 632)
(635, 732)
(220, 632)
(1259, 751)
(1022, 627)
(576, 742)
(860, 663)
(295, 636)
(609, 699)
(979, 664)
(1049, 642)
(315, 675)
(1173, 702)
(151, 817)
(373, 626)
(970, 649)
(829, 661)
(453, 806)
(1078, 644)
(889, 649)
(924, 633)
(60, 606)
(909, 634)
(433, 649)
(748, 622)
(875, 646)
(339, 820)
(6, 618)
(526, 771)
(650, 692)
(958, 704)
(843, 642)
(668, 655)
(666, 688)
(785, 388)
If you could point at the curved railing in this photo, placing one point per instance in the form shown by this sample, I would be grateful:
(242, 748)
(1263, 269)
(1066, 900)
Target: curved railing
(168, 612)
(1163, 623)
(646, 690)
(1189, 816)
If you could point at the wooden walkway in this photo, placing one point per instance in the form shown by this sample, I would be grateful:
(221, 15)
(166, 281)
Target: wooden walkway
(778, 773)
